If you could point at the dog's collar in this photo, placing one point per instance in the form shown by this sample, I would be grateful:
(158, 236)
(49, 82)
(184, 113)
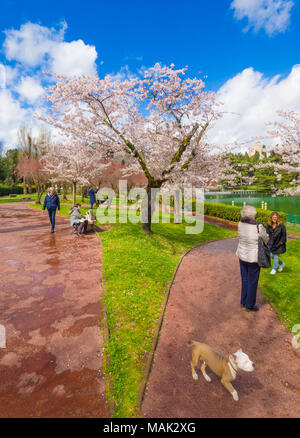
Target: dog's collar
(232, 366)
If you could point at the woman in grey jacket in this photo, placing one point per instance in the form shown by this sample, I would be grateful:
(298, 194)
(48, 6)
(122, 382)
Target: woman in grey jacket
(249, 230)
(78, 219)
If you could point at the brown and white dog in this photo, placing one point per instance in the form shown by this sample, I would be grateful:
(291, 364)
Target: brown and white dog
(225, 367)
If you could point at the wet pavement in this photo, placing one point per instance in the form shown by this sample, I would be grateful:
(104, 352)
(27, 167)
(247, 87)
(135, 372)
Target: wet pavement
(50, 289)
(204, 305)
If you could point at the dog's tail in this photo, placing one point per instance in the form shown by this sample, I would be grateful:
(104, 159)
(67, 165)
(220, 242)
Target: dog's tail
(190, 343)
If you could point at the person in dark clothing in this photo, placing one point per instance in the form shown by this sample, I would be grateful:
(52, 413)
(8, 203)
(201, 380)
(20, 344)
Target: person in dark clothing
(92, 197)
(277, 241)
(51, 202)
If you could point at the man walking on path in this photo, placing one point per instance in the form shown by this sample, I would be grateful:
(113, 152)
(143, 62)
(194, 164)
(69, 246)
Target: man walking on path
(51, 202)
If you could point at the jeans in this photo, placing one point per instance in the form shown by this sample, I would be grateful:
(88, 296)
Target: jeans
(250, 275)
(81, 225)
(92, 204)
(51, 214)
(276, 261)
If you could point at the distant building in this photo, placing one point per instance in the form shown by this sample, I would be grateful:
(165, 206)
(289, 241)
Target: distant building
(257, 147)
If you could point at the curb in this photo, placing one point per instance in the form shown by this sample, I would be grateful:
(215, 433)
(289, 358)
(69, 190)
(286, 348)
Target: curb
(105, 323)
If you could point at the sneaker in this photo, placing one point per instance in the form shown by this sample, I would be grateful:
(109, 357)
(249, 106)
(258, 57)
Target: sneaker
(80, 235)
(281, 267)
(252, 309)
(273, 272)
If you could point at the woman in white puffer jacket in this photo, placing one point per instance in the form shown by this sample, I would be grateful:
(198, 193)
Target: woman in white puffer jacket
(249, 230)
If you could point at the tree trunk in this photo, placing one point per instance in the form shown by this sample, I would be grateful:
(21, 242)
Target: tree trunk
(29, 187)
(41, 188)
(74, 193)
(177, 207)
(39, 193)
(24, 186)
(147, 211)
(83, 194)
(65, 189)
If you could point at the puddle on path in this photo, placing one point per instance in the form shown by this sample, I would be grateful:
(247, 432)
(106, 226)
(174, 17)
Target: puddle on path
(13, 262)
(9, 248)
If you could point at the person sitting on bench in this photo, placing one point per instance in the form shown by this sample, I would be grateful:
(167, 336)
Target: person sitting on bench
(78, 219)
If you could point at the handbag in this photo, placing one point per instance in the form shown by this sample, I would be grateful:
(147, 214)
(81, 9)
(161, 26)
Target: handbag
(263, 253)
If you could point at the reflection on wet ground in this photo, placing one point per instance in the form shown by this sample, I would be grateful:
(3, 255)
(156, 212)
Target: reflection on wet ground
(50, 307)
(29, 227)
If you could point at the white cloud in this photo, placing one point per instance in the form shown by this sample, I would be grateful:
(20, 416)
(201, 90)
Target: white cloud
(11, 116)
(34, 45)
(29, 51)
(123, 74)
(31, 43)
(250, 101)
(30, 89)
(271, 15)
(10, 75)
(2, 76)
(74, 58)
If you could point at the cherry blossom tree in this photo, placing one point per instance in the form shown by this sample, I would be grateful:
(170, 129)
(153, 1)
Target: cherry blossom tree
(32, 169)
(160, 121)
(286, 131)
(114, 172)
(73, 163)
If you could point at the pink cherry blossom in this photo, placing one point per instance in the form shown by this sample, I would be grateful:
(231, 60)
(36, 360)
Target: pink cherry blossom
(159, 122)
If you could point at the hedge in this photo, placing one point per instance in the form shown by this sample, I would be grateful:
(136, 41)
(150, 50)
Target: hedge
(230, 212)
(233, 213)
(8, 190)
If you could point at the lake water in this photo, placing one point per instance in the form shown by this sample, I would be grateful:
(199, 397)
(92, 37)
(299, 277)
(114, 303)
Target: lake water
(288, 204)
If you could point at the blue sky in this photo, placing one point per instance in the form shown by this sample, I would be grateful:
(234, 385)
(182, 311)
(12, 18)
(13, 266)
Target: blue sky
(239, 44)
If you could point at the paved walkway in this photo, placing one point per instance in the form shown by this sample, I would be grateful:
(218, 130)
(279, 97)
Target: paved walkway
(204, 306)
(49, 305)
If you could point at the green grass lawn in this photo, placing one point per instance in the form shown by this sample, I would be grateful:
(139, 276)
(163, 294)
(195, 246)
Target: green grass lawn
(293, 228)
(79, 200)
(64, 209)
(17, 198)
(283, 289)
(33, 196)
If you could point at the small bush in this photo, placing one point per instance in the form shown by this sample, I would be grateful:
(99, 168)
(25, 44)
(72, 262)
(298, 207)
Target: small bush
(233, 213)
(9, 190)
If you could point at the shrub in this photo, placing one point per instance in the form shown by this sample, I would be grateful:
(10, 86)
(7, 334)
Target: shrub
(15, 190)
(233, 213)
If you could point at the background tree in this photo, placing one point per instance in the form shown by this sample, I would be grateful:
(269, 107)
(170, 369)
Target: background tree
(239, 170)
(258, 171)
(73, 163)
(8, 164)
(30, 167)
(31, 148)
(26, 146)
(269, 177)
(34, 170)
(114, 172)
(286, 162)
